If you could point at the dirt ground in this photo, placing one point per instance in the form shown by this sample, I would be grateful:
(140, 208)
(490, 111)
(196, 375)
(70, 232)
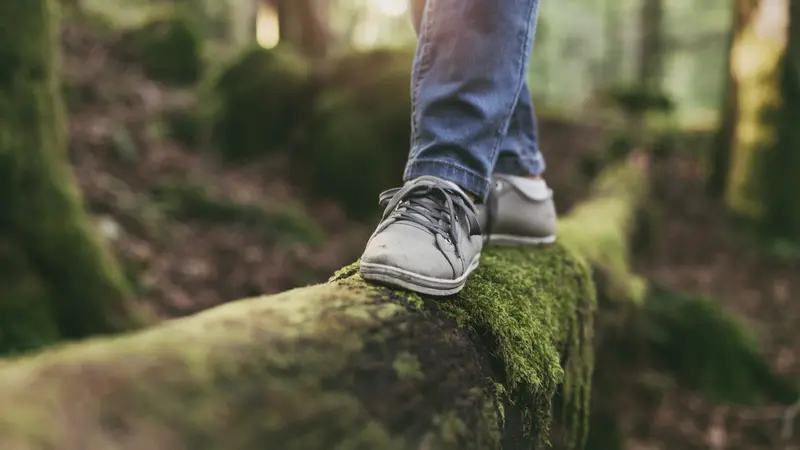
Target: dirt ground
(185, 265)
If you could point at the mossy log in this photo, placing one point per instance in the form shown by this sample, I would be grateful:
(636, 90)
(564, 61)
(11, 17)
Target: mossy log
(42, 211)
(344, 365)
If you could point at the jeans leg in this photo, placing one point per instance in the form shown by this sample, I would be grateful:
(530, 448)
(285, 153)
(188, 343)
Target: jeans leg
(519, 152)
(470, 68)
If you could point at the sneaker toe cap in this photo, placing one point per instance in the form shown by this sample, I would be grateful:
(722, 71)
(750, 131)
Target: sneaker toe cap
(411, 250)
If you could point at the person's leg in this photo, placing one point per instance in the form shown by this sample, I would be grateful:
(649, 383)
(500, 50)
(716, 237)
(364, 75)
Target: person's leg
(519, 209)
(470, 66)
(519, 152)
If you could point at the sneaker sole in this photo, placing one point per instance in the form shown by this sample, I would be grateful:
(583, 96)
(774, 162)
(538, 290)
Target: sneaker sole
(512, 240)
(400, 278)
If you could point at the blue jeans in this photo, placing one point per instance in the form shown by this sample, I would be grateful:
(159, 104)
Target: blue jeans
(472, 112)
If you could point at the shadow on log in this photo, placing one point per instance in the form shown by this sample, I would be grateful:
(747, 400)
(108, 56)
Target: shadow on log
(346, 365)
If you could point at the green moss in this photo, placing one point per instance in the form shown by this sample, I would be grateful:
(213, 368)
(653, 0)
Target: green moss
(194, 202)
(168, 49)
(709, 349)
(214, 390)
(26, 319)
(261, 370)
(42, 209)
(364, 123)
(605, 243)
(450, 429)
(237, 375)
(262, 97)
(407, 365)
(534, 305)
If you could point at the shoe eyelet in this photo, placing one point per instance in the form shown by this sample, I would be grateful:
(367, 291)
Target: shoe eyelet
(498, 185)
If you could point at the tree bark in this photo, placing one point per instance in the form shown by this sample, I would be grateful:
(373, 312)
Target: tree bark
(303, 24)
(761, 182)
(345, 364)
(724, 136)
(42, 209)
(613, 56)
(651, 47)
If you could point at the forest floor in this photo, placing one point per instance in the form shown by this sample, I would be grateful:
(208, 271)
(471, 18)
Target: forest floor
(193, 232)
(697, 251)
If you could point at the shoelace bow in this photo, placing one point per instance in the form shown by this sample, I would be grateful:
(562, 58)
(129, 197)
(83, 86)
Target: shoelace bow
(434, 208)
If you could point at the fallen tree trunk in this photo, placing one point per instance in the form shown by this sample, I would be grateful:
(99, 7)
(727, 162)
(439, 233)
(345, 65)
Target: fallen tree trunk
(343, 365)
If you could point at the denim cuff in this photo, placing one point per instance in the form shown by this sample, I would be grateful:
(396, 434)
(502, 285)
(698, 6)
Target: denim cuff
(465, 178)
(510, 164)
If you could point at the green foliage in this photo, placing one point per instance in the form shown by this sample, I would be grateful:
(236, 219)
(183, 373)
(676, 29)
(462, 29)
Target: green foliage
(709, 349)
(26, 320)
(637, 100)
(360, 130)
(184, 126)
(262, 97)
(170, 51)
(189, 201)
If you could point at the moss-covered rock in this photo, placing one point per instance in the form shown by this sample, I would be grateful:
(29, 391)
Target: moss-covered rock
(360, 133)
(168, 49)
(261, 98)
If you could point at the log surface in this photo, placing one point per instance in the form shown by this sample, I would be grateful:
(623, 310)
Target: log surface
(341, 365)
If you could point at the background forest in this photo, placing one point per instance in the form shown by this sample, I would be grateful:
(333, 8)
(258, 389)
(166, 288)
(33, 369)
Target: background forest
(162, 157)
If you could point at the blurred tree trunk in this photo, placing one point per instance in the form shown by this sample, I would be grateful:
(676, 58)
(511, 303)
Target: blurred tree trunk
(651, 47)
(762, 182)
(723, 138)
(650, 72)
(303, 23)
(613, 56)
(42, 210)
